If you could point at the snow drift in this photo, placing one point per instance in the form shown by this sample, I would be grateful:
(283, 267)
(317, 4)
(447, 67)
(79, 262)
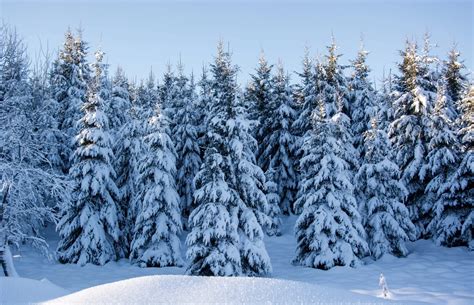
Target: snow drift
(178, 289)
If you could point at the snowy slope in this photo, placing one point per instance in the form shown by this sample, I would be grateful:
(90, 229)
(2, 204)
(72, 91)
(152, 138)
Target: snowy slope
(430, 274)
(180, 289)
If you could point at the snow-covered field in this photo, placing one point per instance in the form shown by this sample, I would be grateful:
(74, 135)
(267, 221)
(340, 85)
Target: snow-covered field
(430, 274)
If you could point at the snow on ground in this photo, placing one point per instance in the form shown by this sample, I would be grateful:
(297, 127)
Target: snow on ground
(430, 274)
(15, 290)
(179, 289)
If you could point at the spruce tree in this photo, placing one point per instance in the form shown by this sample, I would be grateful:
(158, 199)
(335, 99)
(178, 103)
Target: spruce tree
(385, 217)
(213, 243)
(187, 144)
(273, 199)
(168, 92)
(229, 138)
(443, 160)
(259, 95)
(408, 135)
(453, 219)
(278, 154)
(203, 106)
(329, 231)
(334, 85)
(362, 98)
(306, 96)
(456, 83)
(119, 103)
(69, 78)
(155, 240)
(89, 226)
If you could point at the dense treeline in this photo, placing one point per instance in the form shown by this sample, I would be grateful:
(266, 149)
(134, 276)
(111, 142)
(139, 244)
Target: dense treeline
(123, 169)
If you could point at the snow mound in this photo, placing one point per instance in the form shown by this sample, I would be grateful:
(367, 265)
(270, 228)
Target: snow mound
(178, 289)
(17, 291)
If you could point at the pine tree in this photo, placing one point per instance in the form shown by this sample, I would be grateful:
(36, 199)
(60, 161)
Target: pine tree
(279, 143)
(452, 223)
(273, 199)
(89, 226)
(362, 98)
(187, 145)
(334, 84)
(442, 162)
(158, 222)
(306, 96)
(69, 78)
(386, 219)
(168, 92)
(456, 82)
(213, 244)
(119, 104)
(408, 135)
(229, 138)
(259, 95)
(127, 131)
(328, 231)
(203, 106)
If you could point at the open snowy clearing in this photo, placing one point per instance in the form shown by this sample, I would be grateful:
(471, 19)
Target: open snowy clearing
(430, 274)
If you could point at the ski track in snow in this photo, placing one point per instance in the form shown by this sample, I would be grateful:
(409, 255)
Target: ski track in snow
(430, 274)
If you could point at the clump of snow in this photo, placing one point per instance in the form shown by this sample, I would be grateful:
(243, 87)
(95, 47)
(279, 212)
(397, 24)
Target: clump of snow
(18, 291)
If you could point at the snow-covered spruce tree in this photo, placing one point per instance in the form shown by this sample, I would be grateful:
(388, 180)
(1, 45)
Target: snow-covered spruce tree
(126, 132)
(334, 85)
(89, 227)
(306, 96)
(229, 137)
(168, 92)
(453, 221)
(464, 176)
(385, 217)
(456, 83)
(248, 180)
(128, 150)
(383, 102)
(119, 103)
(428, 71)
(279, 143)
(187, 147)
(408, 135)
(329, 231)
(158, 221)
(442, 163)
(27, 181)
(362, 98)
(145, 96)
(69, 77)
(213, 244)
(258, 95)
(203, 106)
(273, 199)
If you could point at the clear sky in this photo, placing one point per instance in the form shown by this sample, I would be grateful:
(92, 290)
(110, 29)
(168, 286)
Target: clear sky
(139, 35)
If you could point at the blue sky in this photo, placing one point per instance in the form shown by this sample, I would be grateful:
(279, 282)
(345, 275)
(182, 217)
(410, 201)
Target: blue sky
(139, 35)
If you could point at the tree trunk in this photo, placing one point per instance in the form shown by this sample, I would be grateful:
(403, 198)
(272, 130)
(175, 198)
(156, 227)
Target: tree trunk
(6, 260)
